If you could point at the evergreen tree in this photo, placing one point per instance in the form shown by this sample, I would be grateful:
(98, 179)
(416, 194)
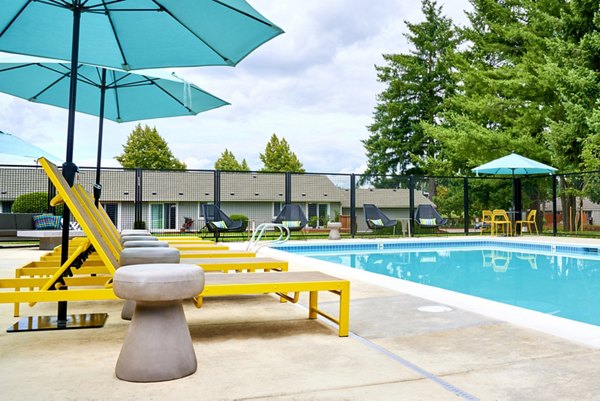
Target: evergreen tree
(228, 162)
(573, 69)
(504, 101)
(145, 148)
(278, 157)
(417, 83)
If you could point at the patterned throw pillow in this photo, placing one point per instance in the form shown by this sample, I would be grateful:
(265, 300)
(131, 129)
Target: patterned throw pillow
(45, 222)
(427, 222)
(219, 224)
(291, 224)
(377, 222)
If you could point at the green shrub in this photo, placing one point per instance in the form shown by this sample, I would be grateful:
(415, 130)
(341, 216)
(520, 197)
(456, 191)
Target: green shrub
(139, 225)
(34, 202)
(242, 217)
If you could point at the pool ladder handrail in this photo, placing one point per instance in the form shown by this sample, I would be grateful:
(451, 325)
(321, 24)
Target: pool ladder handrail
(254, 244)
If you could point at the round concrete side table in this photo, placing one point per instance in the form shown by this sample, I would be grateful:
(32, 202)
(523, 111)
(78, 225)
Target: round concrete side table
(142, 256)
(334, 228)
(158, 345)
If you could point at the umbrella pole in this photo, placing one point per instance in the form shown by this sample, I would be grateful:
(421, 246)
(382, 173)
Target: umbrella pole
(97, 185)
(61, 320)
(69, 168)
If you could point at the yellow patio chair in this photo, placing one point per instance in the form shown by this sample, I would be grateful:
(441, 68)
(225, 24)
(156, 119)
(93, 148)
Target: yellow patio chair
(501, 221)
(529, 222)
(486, 221)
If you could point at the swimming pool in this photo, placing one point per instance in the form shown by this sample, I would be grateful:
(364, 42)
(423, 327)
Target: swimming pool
(558, 280)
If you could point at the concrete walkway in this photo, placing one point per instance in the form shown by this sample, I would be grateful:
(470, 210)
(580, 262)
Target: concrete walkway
(255, 348)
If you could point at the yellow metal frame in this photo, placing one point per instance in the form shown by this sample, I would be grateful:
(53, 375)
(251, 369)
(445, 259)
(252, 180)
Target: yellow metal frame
(529, 222)
(500, 219)
(287, 282)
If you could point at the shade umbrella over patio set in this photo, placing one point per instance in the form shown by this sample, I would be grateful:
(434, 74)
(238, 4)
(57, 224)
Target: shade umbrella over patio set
(128, 35)
(514, 165)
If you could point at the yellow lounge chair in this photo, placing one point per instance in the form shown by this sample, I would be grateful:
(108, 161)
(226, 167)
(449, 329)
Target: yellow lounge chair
(103, 240)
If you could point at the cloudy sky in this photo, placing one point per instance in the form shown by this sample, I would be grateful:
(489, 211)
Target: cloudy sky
(315, 86)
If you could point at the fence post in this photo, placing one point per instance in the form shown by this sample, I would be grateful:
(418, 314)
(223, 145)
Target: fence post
(217, 188)
(138, 195)
(353, 205)
(288, 188)
(554, 191)
(411, 204)
(466, 204)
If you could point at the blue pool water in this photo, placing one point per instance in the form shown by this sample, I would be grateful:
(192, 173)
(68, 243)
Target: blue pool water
(553, 279)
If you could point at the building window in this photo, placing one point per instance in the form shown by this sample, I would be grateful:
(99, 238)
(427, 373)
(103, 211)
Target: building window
(112, 210)
(319, 213)
(6, 206)
(162, 216)
(277, 206)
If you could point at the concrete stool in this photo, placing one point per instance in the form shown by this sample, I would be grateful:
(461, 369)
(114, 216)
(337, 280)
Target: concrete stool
(140, 256)
(158, 345)
(334, 227)
(145, 244)
(126, 238)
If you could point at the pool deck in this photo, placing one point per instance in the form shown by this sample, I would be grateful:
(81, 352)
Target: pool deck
(255, 348)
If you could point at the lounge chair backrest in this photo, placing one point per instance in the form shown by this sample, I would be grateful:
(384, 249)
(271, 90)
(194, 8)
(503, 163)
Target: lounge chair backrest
(212, 213)
(427, 216)
(372, 212)
(289, 213)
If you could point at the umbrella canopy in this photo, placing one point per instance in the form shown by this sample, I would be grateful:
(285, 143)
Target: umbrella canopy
(135, 34)
(129, 34)
(514, 164)
(12, 145)
(128, 96)
(104, 92)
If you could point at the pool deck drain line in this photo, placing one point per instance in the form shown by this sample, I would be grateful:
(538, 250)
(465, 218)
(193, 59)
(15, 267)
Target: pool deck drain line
(428, 375)
(407, 364)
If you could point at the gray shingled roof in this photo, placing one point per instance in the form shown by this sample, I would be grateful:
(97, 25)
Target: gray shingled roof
(198, 186)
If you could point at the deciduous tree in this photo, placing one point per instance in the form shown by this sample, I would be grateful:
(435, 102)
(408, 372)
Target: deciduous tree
(228, 162)
(279, 157)
(145, 148)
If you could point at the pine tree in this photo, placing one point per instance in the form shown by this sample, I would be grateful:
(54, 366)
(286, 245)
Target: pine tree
(504, 101)
(278, 157)
(416, 83)
(145, 148)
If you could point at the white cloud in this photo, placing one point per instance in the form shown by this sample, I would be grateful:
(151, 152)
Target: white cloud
(315, 85)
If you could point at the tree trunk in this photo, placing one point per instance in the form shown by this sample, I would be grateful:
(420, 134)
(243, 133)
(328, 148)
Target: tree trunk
(569, 206)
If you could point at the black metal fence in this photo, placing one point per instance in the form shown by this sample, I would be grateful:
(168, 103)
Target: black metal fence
(166, 201)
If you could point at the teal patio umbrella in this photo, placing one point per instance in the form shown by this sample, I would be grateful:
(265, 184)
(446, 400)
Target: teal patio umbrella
(129, 34)
(117, 95)
(514, 164)
(13, 145)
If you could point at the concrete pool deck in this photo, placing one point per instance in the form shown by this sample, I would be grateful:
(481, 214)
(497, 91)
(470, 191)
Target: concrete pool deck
(255, 348)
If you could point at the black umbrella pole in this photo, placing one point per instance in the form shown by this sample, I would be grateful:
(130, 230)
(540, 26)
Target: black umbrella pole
(98, 186)
(69, 168)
